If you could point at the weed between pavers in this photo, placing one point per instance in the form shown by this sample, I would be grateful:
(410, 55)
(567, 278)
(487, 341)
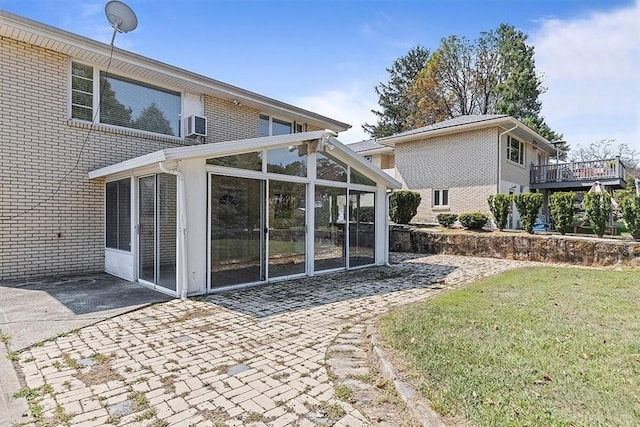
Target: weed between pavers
(343, 392)
(5, 338)
(32, 395)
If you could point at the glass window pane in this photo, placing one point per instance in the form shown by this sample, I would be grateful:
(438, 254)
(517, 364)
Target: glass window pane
(357, 178)
(288, 160)
(436, 198)
(361, 228)
(247, 161)
(167, 231)
(82, 113)
(81, 91)
(124, 214)
(111, 215)
(445, 197)
(263, 129)
(329, 204)
(118, 215)
(237, 230)
(329, 168)
(279, 127)
(139, 106)
(287, 228)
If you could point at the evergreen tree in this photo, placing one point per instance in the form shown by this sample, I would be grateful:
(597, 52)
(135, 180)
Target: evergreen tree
(394, 96)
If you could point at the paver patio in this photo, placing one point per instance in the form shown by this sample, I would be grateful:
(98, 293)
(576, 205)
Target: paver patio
(251, 356)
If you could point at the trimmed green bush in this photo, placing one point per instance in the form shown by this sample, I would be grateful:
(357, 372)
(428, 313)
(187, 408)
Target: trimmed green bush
(473, 220)
(499, 207)
(447, 219)
(528, 205)
(403, 206)
(561, 207)
(597, 206)
(630, 207)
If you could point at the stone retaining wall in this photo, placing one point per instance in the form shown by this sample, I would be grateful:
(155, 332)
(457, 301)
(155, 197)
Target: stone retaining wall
(519, 246)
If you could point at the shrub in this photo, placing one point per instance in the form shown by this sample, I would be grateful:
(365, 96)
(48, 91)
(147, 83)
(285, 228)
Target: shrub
(528, 205)
(561, 207)
(499, 207)
(473, 220)
(403, 206)
(630, 207)
(447, 219)
(598, 209)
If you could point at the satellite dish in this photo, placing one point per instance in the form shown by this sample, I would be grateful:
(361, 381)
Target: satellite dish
(121, 17)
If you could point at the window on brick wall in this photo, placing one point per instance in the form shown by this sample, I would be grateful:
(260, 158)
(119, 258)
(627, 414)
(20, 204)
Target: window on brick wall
(440, 198)
(515, 150)
(125, 102)
(118, 215)
(269, 126)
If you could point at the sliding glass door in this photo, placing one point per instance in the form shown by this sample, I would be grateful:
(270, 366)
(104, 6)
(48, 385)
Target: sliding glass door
(157, 231)
(237, 230)
(287, 228)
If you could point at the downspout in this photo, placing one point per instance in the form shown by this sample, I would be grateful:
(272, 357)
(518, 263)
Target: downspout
(500, 155)
(181, 268)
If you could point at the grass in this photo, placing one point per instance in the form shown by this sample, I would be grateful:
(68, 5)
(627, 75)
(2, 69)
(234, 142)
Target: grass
(536, 346)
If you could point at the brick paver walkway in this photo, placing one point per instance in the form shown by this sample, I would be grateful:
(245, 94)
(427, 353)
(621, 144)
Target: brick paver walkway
(248, 357)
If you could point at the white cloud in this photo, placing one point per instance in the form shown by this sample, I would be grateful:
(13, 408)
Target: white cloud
(590, 66)
(351, 105)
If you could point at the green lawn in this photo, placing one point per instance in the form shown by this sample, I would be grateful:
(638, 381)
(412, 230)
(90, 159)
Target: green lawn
(536, 346)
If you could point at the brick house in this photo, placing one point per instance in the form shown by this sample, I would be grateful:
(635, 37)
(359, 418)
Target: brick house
(117, 162)
(456, 164)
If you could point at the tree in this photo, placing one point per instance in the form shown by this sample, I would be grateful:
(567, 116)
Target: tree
(393, 97)
(152, 119)
(494, 74)
(606, 149)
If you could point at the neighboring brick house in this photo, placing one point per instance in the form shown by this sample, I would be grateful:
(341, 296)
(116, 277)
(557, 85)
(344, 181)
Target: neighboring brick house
(130, 184)
(456, 164)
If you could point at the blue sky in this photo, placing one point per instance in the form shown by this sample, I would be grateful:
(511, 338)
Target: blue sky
(327, 56)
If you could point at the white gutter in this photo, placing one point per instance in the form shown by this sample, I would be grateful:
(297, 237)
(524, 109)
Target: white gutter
(181, 267)
(500, 154)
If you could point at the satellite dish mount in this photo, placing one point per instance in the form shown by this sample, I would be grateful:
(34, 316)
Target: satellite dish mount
(121, 18)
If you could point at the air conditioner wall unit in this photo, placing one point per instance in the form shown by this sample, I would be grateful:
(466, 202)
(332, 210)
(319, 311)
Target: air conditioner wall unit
(196, 126)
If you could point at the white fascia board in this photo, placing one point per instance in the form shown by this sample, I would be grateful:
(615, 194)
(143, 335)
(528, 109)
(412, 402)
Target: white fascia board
(383, 150)
(363, 166)
(135, 163)
(20, 28)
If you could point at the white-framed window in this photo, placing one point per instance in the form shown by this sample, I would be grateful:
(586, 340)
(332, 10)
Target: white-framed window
(270, 126)
(440, 198)
(125, 102)
(515, 150)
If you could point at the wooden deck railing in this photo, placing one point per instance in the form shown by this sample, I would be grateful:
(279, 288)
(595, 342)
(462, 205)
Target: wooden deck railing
(578, 171)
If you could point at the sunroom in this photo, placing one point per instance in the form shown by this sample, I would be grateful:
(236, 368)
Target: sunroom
(198, 219)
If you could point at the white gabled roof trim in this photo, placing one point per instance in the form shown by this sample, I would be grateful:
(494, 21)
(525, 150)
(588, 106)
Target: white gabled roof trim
(218, 149)
(507, 122)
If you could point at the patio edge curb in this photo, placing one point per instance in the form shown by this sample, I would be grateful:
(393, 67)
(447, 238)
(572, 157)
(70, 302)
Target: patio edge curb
(13, 410)
(418, 407)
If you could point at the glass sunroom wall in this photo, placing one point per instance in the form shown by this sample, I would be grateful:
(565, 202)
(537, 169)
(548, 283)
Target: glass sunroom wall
(329, 239)
(362, 229)
(287, 228)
